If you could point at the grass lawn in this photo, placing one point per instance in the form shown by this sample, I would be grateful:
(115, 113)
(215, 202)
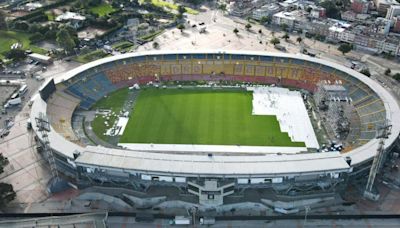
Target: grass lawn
(123, 46)
(169, 5)
(102, 9)
(8, 38)
(151, 36)
(175, 116)
(114, 102)
(50, 15)
(91, 56)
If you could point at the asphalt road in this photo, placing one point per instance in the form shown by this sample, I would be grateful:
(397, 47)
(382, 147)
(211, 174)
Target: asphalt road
(114, 222)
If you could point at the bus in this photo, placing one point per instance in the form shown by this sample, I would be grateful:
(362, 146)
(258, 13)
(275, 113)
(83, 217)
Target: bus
(23, 89)
(14, 100)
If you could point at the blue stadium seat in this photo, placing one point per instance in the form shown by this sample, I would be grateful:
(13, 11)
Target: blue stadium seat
(198, 56)
(92, 89)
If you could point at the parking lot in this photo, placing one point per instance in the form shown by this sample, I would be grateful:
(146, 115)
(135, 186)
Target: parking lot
(6, 91)
(27, 171)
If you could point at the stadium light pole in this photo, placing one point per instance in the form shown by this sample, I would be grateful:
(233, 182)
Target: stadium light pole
(307, 209)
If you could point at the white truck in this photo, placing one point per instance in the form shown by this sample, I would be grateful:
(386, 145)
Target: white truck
(180, 220)
(207, 221)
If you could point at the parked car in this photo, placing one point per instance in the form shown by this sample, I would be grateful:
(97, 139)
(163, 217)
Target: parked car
(39, 78)
(4, 133)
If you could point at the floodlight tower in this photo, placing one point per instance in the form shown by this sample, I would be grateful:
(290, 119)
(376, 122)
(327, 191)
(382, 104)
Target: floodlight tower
(382, 134)
(44, 127)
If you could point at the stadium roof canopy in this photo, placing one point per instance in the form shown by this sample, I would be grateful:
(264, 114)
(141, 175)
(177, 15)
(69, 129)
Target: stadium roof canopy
(214, 165)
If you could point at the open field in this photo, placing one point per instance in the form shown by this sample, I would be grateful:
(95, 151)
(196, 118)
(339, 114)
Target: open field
(102, 9)
(50, 15)
(91, 56)
(8, 38)
(169, 5)
(123, 46)
(151, 36)
(221, 117)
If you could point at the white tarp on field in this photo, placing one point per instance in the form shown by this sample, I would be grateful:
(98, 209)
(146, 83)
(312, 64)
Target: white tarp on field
(122, 122)
(288, 106)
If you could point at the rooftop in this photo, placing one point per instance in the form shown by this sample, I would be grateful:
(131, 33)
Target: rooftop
(39, 56)
(203, 164)
(70, 16)
(336, 29)
(286, 15)
(388, 2)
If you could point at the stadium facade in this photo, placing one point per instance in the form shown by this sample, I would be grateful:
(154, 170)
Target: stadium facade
(211, 177)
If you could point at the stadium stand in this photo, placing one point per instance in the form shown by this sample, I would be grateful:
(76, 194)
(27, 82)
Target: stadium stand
(99, 81)
(91, 88)
(85, 85)
(61, 107)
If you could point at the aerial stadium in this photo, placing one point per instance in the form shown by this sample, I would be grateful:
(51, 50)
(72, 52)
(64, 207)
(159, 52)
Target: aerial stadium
(214, 123)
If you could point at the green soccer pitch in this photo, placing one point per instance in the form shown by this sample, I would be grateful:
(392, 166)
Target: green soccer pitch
(208, 117)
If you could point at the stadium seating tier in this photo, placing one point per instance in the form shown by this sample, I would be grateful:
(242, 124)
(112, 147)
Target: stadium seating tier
(95, 83)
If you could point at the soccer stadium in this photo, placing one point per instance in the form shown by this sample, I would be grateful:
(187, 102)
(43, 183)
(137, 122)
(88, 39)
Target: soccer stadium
(214, 124)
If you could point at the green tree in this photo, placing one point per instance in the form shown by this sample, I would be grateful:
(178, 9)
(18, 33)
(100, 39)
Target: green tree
(36, 37)
(156, 45)
(365, 72)
(265, 20)
(3, 22)
(286, 37)
(195, 2)
(284, 27)
(51, 34)
(7, 193)
(345, 48)
(180, 27)
(248, 26)
(275, 41)
(65, 40)
(34, 27)
(332, 10)
(150, 17)
(397, 77)
(93, 2)
(16, 54)
(388, 72)
(236, 31)
(179, 16)
(21, 25)
(3, 162)
(222, 7)
(299, 39)
(181, 10)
